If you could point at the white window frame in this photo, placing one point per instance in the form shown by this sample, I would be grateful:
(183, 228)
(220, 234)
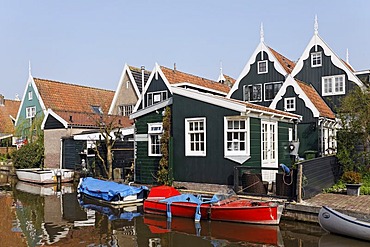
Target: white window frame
(188, 139)
(30, 95)
(270, 83)
(290, 104)
(259, 71)
(329, 85)
(245, 88)
(269, 149)
(155, 130)
(316, 59)
(31, 112)
(125, 110)
(156, 97)
(237, 132)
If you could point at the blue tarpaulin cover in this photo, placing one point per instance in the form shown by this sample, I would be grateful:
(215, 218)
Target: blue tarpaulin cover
(107, 190)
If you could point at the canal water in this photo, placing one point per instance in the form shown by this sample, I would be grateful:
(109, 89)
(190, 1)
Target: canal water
(33, 215)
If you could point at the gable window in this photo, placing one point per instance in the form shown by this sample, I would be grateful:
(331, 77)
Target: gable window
(271, 89)
(155, 97)
(30, 95)
(333, 85)
(125, 110)
(316, 60)
(289, 104)
(155, 131)
(195, 137)
(127, 84)
(262, 67)
(31, 112)
(253, 93)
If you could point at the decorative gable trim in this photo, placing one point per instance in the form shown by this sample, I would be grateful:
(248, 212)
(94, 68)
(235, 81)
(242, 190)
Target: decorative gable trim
(317, 40)
(191, 85)
(154, 74)
(30, 83)
(260, 49)
(290, 81)
(121, 84)
(56, 116)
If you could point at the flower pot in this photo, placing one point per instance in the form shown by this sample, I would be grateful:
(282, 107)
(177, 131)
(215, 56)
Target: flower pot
(353, 189)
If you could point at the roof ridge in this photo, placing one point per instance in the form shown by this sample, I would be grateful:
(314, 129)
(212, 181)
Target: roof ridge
(175, 70)
(73, 84)
(137, 69)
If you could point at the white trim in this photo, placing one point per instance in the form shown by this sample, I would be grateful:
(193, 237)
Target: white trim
(268, 175)
(151, 108)
(316, 40)
(293, 108)
(361, 72)
(259, 68)
(185, 84)
(155, 132)
(126, 69)
(188, 151)
(56, 116)
(290, 81)
(231, 104)
(141, 137)
(261, 47)
(157, 70)
(31, 110)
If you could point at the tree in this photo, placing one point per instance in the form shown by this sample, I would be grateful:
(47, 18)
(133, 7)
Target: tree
(163, 174)
(109, 128)
(354, 137)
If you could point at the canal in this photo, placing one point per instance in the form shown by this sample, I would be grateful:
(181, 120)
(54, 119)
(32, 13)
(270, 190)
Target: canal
(33, 215)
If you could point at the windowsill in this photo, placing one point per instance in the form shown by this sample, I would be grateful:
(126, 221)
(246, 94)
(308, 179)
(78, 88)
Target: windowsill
(238, 158)
(333, 94)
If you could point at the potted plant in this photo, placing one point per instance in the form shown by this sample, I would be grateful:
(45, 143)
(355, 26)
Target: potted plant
(352, 180)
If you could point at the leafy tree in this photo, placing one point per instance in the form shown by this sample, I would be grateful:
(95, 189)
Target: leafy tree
(354, 137)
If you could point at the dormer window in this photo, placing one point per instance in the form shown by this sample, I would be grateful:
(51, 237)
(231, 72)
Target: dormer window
(262, 67)
(316, 60)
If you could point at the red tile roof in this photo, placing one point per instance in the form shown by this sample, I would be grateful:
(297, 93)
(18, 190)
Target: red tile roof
(315, 98)
(71, 97)
(88, 119)
(287, 64)
(8, 110)
(175, 76)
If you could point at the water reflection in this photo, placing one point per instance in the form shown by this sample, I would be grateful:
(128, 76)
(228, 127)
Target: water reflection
(37, 215)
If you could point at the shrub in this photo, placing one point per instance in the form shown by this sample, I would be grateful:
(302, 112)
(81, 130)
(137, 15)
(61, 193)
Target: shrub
(351, 177)
(29, 156)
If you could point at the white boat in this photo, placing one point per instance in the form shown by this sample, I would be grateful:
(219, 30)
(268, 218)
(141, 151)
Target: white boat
(334, 222)
(45, 176)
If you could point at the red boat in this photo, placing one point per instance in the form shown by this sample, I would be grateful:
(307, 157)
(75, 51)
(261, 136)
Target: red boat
(165, 200)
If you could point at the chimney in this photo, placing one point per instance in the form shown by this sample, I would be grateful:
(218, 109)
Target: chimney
(174, 66)
(2, 101)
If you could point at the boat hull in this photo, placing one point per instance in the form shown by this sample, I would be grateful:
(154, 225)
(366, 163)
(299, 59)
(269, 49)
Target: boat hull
(44, 176)
(338, 223)
(234, 210)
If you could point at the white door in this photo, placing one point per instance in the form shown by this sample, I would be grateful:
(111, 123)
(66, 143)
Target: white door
(269, 150)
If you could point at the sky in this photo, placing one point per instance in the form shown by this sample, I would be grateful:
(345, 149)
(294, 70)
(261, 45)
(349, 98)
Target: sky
(88, 42)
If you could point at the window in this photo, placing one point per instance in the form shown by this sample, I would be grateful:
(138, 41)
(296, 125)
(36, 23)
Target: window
(125, 110)
(316, 60)
(30, 95)
(262, 67)
(333, 85)
(269, 146)
(155, 131)
(195, 139)
(31, 112)
(289, 104)
(271, 89)
(236, 141)
(253, 93)
(97, 109)
(155, 97)
(127, 84)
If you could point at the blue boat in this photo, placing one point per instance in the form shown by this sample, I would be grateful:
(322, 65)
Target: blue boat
(111, 193)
